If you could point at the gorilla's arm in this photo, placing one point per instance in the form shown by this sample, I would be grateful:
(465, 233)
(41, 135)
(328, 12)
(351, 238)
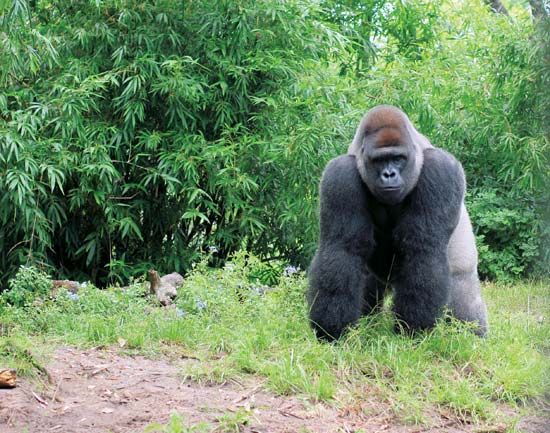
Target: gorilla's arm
(422, 280)
(338, 274)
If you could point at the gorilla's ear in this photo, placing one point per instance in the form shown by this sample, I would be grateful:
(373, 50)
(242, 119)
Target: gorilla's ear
(356, 146)
(420, 140)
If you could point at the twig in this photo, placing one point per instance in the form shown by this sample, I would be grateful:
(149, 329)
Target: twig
(247, 395)
(55, 391)
(35, 364)
(284, 413)
(40, 399)
(99, 370)
(11, 416)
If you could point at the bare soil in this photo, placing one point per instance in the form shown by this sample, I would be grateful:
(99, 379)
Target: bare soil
(101, 390)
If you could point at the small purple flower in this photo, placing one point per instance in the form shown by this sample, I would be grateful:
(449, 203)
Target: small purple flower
(259, 290)
(201, 305)
(73, 296)
(180, 312)
(290, 270)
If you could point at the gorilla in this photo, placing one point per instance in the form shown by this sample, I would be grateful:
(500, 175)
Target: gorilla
(392, 216)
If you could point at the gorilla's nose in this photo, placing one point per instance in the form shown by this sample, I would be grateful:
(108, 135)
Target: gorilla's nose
(388, 174)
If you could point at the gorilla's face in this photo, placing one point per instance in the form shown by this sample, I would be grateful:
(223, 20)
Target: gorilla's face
(388, 168)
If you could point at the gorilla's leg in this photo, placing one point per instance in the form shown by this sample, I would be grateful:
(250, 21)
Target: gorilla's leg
(423, 277)
(337, 283)
(422, 287)
(466, 303)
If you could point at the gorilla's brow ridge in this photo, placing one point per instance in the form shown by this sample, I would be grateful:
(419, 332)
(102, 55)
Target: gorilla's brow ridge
(388, 137)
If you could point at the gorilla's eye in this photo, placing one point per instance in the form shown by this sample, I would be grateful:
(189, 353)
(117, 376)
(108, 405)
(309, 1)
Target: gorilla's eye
(385, 159)
(400, 159)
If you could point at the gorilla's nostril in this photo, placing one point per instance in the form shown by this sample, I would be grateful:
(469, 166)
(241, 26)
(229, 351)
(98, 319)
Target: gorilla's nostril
(388, 174)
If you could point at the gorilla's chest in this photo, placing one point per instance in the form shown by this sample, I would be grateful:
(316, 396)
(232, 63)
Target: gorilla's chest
(382, 251)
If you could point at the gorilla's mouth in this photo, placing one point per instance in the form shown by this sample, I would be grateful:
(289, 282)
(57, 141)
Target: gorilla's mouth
(390, 195)
(390, 191)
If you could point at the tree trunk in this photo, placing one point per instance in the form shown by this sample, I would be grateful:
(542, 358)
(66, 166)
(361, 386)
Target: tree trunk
(537, 9)
(497, 6)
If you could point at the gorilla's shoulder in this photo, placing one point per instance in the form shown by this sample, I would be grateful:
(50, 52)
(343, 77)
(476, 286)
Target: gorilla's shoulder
(440, 157)
(342, 169)
(341, 177)
(439, 161)
(442, 171)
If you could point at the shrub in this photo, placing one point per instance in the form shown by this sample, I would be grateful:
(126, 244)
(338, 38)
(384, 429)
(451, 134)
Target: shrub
(28, 284)
(507, 232)
(146, 132)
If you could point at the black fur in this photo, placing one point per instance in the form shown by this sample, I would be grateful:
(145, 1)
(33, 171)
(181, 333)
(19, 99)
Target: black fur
(366, 245)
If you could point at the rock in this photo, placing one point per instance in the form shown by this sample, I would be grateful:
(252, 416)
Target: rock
(71, 286)
(165, 288)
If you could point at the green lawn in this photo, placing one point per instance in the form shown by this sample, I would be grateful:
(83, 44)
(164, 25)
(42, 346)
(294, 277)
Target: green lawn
(222, 319)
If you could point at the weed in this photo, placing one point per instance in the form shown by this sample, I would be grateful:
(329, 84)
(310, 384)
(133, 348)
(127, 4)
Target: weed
(176, 424)
(233, 422)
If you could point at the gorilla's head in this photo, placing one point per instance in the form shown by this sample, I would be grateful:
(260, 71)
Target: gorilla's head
(389, 154)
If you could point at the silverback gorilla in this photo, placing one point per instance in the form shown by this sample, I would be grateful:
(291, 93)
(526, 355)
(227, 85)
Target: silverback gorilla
(392, 215)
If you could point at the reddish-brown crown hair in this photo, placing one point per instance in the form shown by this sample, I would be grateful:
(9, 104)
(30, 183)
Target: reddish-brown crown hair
(385, 116)
(388, 123)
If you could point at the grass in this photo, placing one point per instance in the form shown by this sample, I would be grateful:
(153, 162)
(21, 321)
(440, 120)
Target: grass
(222, 319)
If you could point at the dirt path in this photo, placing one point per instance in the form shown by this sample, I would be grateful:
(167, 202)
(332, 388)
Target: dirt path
(99, 391)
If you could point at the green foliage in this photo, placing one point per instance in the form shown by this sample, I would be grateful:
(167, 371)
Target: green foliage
(265, 273)
(233, 422)
(507, 235)
(28, 284)
(152, 131)
(17, 351)
(407, 27)
(139, 134)
(229, 422)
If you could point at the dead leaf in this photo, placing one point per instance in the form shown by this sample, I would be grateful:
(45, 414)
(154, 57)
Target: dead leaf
(8, 377)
